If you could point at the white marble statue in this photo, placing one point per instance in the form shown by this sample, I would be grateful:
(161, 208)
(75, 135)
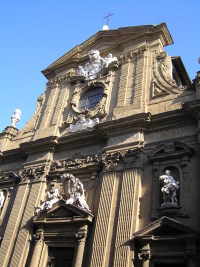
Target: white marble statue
(95, 65)
(82, 124)
(15, 117)
(53, 197)
(2, 199)
(169, 189)
(109, 59)
(74, 190)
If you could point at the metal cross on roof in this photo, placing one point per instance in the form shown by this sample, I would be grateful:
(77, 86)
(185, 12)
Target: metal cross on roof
(107, 17)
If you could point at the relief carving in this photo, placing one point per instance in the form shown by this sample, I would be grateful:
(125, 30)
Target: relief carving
(33, 173)
(52, 198)
(74, 191)
(76, 163)
(111, 160)
(96, 64)
(82, 124)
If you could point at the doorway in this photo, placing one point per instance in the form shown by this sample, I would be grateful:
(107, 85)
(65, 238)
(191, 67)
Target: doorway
(60, 257)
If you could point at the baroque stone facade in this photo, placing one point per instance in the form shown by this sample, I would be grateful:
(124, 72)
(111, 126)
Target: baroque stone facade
(106, 172)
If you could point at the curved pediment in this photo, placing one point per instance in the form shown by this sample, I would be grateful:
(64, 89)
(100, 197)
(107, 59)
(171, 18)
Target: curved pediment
(170, 150)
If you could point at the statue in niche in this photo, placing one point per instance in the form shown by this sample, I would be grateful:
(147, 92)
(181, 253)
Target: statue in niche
(74, 191)
(95, 65)
(169, 190)
(53, 197)
(2, 199)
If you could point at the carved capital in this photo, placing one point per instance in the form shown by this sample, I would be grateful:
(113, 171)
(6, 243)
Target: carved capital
(111, 160)
(81, 237)
(34, 173)
(38, 238)
(144, 254)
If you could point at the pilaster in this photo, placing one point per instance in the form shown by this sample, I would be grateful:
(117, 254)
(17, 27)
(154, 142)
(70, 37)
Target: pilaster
(128, 215)
(21, 248)
(38, 246)
(103, 220)
(12, 228)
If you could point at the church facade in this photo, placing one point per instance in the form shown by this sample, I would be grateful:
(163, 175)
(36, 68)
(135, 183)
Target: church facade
(106, 172)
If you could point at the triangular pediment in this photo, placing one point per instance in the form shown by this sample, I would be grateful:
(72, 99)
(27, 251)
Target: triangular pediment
(109, 41)
(165, 227)
(61, 210)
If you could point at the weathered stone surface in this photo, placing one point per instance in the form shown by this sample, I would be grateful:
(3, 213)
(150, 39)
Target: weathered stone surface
(148, 115)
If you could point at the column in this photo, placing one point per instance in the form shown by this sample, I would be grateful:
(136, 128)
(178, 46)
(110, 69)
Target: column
(39, 242)
(144, 256)
(80, 249)
(191, 252)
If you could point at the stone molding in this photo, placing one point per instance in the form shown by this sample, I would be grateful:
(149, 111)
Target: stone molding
(109, 160)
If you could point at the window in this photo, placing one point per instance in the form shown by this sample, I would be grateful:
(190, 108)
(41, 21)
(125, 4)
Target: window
(90, 99)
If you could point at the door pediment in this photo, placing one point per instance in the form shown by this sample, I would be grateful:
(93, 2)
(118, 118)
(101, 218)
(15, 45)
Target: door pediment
(165, 227)
(63, 212)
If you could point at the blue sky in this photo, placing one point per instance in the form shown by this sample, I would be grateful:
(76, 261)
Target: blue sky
(34, 33)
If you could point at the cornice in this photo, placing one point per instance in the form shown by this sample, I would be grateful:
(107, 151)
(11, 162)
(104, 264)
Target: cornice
(42, 144)
(143, 122)
(80, 139)
(12, 155)
(124, 125)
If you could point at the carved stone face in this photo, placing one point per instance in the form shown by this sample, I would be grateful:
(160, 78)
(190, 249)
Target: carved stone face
(94, 57)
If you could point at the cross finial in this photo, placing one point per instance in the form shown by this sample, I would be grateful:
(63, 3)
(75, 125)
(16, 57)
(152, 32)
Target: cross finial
(107, 17)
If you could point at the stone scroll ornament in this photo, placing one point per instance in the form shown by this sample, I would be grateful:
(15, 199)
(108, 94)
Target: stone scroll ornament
(74, 191)
(169, 190)
(52, 197)
(95, 65)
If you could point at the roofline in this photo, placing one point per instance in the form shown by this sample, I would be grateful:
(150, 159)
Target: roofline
(161, 27)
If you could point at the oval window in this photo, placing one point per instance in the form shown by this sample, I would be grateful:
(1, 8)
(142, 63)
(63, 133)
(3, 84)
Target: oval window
(90, 99)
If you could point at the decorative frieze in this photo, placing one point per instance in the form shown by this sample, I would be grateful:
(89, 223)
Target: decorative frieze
(75, 163)
(33, 173)
(109, 160)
